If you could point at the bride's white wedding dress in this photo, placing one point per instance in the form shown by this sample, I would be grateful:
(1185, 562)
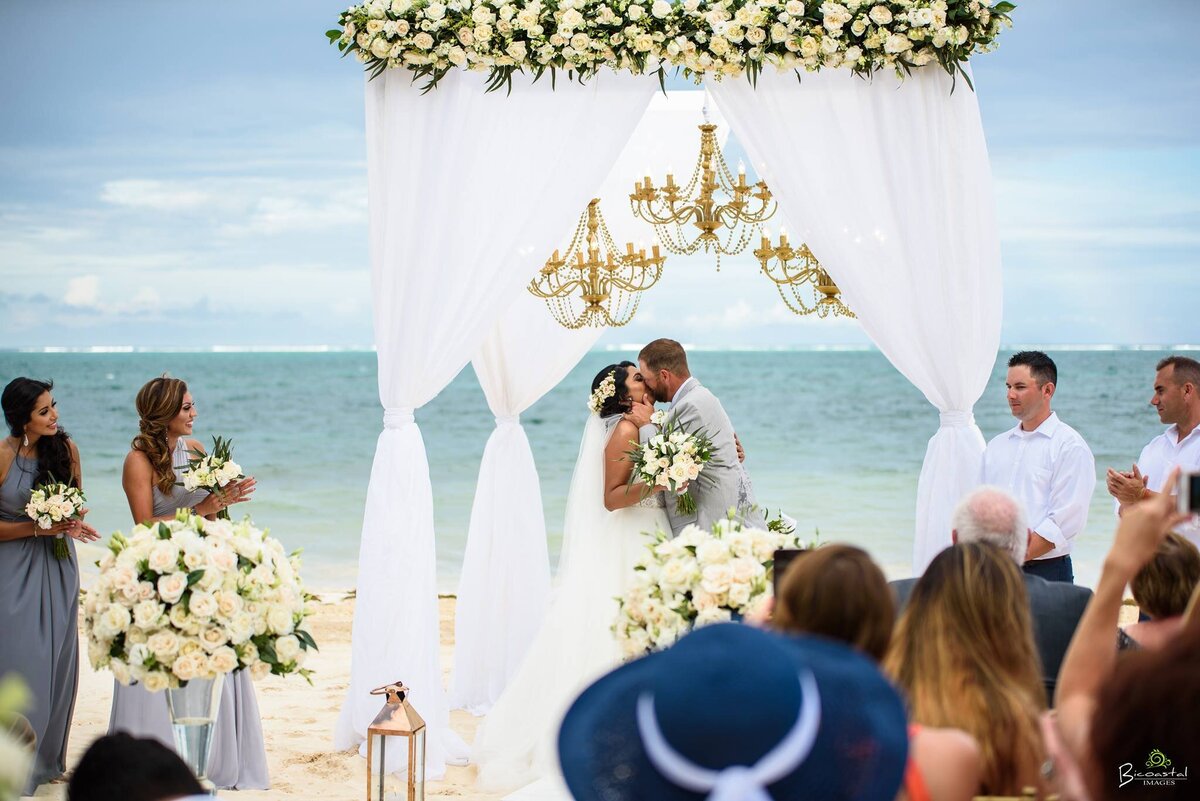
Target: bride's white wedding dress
(516, 742)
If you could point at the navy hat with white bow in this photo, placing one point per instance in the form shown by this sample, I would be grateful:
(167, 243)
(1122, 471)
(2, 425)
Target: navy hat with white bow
(734, 713)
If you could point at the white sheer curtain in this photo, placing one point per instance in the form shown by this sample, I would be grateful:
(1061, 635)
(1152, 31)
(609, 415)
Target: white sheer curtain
(505, 576)
(889, 183)
(465, 188)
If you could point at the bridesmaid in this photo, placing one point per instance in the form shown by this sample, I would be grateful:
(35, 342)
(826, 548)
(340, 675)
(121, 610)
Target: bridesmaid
(39, 593)
(159, 454)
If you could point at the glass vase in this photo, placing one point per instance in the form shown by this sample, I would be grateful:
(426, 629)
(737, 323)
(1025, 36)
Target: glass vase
(193, 709)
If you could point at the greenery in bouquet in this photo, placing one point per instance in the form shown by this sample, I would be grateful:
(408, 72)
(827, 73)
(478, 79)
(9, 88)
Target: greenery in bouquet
(694, 579)
(54, 502)
(672, 458)
(212, 471)
(702, 37)
(193, 598)
(16, 756)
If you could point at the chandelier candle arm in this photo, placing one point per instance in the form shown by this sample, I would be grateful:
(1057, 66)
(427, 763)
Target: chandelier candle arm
(797, 273)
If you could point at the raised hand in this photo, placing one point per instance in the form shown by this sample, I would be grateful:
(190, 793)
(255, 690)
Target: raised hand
(1126, 487)
(1143, 527)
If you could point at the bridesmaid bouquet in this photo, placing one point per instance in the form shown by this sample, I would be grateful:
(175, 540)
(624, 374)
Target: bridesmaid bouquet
(191, 598)
(672, 458)
(54, 502)
(697, 578)
(212, 471)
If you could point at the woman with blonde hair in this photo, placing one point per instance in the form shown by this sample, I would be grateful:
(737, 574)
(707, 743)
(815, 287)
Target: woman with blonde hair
(963, 655)
(158, 454)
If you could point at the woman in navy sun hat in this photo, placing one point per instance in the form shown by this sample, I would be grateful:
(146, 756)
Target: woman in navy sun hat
(734, 713)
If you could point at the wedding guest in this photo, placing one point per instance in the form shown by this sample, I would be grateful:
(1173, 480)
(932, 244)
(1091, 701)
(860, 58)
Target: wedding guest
(1162, 589)
(1176, 398)
(943, 764)
(159, 454)
(964, 657)
(1045, 463)
(1112, 714)
(733, 711)
(989, 514)
(118, 767)
(39, 593)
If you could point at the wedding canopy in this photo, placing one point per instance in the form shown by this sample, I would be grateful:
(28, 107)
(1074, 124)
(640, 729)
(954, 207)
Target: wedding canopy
(886, 178)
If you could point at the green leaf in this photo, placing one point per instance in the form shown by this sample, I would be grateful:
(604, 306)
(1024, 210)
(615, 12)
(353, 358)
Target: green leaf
(306, 640)
(333, 35)
(195, 576)
(1003, 7)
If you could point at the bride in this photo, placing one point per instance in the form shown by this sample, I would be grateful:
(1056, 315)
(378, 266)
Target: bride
(602, 537)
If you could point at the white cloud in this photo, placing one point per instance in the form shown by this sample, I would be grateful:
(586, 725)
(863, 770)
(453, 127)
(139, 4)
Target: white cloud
(83, 291)
(150, 194)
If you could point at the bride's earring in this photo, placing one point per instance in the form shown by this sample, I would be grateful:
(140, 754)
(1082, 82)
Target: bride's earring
(26, 439)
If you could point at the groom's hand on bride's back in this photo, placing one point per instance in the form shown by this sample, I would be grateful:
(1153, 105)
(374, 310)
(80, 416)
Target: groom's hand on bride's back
(740, 450)
(639, 413)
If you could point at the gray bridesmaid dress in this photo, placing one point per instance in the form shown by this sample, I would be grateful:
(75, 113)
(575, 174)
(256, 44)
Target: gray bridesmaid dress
(238, 759)
(39, 612)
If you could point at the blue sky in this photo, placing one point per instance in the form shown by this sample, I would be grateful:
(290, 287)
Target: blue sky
(189, 175)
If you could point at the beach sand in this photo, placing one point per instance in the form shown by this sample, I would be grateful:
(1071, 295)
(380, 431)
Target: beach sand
(297, 719)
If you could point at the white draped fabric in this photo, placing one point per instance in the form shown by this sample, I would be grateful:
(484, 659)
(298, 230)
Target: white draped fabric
(465, 188)
(505, 575)
(505, 579)
(889, 183)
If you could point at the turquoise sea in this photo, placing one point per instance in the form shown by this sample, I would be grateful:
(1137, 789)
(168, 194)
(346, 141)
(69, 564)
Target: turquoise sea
(834, 438)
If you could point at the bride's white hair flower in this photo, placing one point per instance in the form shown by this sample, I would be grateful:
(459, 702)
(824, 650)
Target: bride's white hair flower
(607, 388)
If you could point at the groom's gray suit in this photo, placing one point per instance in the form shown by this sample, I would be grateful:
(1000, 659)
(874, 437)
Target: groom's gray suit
(724, 482)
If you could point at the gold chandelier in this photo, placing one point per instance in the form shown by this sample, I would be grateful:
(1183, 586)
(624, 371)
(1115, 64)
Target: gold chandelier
(799, 273)
(608, 285)
(671, 208)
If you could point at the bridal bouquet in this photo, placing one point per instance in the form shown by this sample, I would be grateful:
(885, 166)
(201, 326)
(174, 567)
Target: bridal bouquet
(697, 578)
(672, 458)
(52, 503)
(212, 471)
(192, 598)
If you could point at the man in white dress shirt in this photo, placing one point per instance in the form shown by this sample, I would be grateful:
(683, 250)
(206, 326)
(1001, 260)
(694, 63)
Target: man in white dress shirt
(1177, 399)
(1045, 464)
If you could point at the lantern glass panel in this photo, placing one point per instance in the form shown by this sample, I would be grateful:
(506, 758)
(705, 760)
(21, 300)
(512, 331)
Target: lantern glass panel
(419, 764)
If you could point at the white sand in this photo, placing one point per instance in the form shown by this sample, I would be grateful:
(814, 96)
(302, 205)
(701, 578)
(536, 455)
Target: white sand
(297, 720)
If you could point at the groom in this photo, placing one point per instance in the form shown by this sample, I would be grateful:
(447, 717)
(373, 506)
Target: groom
(724, 483)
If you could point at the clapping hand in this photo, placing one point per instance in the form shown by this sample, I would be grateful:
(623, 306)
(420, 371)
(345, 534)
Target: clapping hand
(1143, 527)
(1126, 487)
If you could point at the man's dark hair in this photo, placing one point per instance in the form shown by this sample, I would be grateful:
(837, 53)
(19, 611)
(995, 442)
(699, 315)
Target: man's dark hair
(118, 767)
(1187, 371)
(1041, 366)
(665, 354)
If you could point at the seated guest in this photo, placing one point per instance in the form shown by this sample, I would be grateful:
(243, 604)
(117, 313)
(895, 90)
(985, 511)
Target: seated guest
(989, 514)
(943, 763)
(1162, 589)
(964, 657)
(735, 712)
(118, 767)
(1114, 713)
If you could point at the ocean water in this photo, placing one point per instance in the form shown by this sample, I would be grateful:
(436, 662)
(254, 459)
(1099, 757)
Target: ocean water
(834, 438)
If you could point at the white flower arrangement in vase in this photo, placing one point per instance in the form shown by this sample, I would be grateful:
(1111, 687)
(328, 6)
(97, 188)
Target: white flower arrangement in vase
(192, 598)
(694, 579)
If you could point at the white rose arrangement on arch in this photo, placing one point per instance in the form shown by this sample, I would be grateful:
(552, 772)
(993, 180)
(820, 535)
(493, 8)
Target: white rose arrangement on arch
(701, 37)
(192, 598)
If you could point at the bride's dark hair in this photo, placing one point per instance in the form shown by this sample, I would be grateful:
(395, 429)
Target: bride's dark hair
(620, 402)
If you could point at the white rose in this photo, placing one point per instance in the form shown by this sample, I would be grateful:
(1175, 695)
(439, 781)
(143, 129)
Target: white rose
(399, 7)
(259, 670)
(120, 671)
(739, 595)
(240, 628)
(164, 644)
(279, 620)
(829, 45)
(712, 552)
(147, 614)
(123, 576)
(635, 12)
(156, 681)
(713, 615)
(716, 579)
(212, 638)
(896, 43)
(435, 11)
(880, 15)
(374, 26)
(678, 574)
(517, 50)
(660, 9)
(287, 648)
(753, 36)
(921, 16)
(112, 621)
(224, 660)
(809, 46)
(571, 19)
(747, 570)
(229, 603)
(171, 586)
(189, 666)
(794, 7)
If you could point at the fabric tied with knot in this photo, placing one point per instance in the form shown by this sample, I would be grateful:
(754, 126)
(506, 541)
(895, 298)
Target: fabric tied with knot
(736, 782)
(398, 417)
(956, 419)
(508, 420)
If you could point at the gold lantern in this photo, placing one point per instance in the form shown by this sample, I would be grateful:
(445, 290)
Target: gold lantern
(397, 729)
